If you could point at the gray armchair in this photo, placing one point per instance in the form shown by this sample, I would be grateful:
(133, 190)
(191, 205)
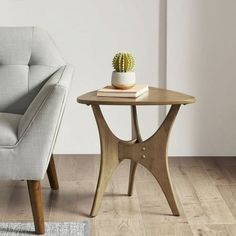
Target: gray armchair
(34, 83)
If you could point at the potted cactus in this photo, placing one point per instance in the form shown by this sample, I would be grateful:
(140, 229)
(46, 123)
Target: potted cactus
(123, 77)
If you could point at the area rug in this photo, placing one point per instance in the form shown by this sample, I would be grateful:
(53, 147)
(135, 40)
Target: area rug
(51, 229)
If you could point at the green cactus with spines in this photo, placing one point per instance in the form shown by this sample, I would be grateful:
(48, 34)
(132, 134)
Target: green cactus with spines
(123, 62)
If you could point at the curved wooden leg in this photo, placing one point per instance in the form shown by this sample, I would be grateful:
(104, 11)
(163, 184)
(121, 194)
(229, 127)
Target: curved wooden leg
(156, 160)
(52, 174)
(109, 158)
(152, 153)
(35, 195)
(106, 170)
(135, 135)
(133, 167)
(164, 181)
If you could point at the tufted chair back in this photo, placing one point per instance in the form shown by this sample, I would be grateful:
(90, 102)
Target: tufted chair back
(28, 57)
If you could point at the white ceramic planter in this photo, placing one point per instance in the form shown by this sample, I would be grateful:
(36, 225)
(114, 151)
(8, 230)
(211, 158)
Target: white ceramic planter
(123, 80)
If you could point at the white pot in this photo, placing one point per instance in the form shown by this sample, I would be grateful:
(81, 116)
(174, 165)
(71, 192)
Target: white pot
(123, 80)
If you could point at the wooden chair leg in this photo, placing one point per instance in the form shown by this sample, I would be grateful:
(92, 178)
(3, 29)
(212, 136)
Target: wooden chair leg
(35, 195)
(52, 175)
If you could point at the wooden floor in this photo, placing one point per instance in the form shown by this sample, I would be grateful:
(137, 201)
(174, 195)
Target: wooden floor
(206, 190)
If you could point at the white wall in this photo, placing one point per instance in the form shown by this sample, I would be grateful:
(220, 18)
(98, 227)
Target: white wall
(201, 60)
(89, 33)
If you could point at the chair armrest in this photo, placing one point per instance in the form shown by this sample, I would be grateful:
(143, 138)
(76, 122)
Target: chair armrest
(55, 90)
(39, 125)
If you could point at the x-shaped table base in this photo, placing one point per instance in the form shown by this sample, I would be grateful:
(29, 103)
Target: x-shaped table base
(151, 153)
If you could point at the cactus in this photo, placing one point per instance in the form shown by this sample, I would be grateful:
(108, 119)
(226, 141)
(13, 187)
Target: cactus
(123, 62)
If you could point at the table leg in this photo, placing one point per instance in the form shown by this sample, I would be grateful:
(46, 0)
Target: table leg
(135, 135)
(133, 167)
(156, 160)
(152, 154)
(109, 158)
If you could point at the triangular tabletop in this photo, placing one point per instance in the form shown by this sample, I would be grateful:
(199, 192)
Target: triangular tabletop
(155, 96)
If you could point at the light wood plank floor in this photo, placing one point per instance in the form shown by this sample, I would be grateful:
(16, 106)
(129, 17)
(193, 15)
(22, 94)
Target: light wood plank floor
(206, 190)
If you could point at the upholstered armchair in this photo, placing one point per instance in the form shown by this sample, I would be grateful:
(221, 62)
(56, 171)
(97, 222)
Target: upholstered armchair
(34, 83)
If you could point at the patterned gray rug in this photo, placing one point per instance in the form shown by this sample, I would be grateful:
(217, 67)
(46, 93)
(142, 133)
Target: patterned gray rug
(52, 229)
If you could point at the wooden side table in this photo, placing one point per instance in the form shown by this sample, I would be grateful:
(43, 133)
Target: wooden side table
(151, 153)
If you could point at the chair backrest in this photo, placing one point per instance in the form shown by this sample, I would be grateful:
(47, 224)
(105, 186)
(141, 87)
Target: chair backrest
(28, 57)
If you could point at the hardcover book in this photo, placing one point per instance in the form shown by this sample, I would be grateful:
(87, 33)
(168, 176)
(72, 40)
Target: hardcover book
(110, 91)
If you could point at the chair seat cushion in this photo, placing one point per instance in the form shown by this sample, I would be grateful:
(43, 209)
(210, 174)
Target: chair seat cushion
(8, 128)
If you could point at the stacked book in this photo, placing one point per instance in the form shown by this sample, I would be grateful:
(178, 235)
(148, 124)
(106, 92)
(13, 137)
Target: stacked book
(134, 92)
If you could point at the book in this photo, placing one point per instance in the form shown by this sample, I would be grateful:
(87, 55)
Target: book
(134, 92)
